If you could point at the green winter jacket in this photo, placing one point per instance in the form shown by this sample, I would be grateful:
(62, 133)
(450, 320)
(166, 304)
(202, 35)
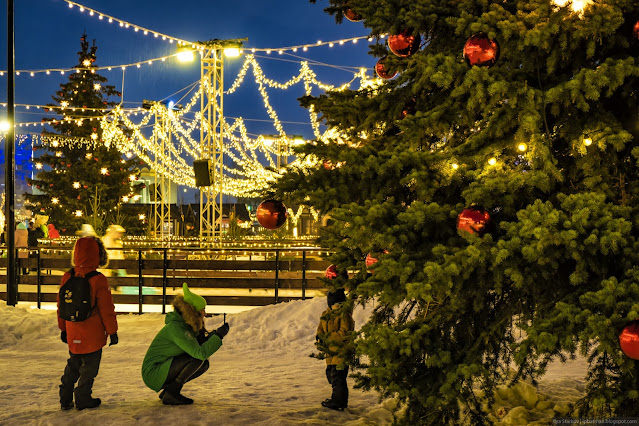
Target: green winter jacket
(175, 338)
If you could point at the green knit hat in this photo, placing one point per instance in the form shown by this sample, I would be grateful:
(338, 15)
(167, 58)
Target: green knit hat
(198, 302)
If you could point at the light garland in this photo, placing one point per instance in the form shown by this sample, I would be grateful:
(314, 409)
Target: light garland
(92, 69)
(165, 37)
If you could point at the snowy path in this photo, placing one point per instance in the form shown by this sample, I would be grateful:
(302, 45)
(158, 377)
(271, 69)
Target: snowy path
(261, 375)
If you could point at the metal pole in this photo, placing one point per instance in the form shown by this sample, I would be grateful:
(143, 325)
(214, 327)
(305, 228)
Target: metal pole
(277, 276)
(140, 282)
(303, 274)
(39, 278)
(9, 169)
(164, 266)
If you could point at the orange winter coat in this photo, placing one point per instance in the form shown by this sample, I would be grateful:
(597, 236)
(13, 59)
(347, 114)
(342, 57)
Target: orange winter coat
(90, 335)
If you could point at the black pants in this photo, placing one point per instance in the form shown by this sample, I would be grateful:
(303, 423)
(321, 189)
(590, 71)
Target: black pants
(337, 379)
(184, 368)
(81, 368)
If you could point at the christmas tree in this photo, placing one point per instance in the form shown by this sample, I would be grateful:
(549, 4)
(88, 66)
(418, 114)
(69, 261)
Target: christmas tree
(80, 179)
(492, 184)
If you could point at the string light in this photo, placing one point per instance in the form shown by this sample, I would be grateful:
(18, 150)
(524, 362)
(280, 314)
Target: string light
(171, 39)
(48, 71)
(522, 147)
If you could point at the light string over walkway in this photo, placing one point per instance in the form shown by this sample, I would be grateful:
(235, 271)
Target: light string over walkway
(146, 31)
(255, 160)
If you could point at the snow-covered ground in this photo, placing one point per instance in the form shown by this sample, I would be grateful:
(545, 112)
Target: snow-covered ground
(262, 375)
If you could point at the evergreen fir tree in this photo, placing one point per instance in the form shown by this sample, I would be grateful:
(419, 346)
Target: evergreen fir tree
(79, 173)
(560, 259)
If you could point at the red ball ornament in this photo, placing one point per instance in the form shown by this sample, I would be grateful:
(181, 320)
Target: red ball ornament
(271, 214)
(481, 51)
(382, 71)
(331, 272)
(474, 220)
(404, 44)
(352, 16)
(629, 339)
(370, 260)
(635, 31)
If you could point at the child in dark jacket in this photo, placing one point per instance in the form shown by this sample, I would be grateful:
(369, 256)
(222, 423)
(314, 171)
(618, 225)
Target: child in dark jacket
(333, 338)
(86, 338)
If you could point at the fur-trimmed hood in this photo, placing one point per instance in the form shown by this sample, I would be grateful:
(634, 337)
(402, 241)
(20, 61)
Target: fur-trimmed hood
(186, 311)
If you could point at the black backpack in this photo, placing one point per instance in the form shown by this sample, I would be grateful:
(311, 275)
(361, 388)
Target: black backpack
(75, 298)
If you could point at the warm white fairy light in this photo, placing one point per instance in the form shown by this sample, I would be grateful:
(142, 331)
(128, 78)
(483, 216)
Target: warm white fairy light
(492, 161)
(522, 147)
(55, 200)
(38, 166)
(94, 136)
(87, 64)
(76, 185)
(104, 170)
(78, 213)
(170, 39)
(577, 6)
(97, 86)
(587, 140)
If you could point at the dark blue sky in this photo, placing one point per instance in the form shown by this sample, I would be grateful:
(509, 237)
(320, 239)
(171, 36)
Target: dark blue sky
(47, 35)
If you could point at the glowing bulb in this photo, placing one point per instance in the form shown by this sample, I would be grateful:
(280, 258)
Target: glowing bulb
(4, 126)
(522, 147)
(55, 200)
(129, 154)
(232, 52)
(88, 156)
(185, 55)
(125, 199)
(492, 161)
(141, 216)
(97, 86)
(78, 213)
(104, 170)
(86, 62)
(94, 136)
(58, 154)
(132, 178)
(587, 141)
(39, 166)
(76, 185)
(455, 166)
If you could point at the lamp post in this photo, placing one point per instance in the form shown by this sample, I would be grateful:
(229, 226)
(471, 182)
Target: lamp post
(211, 131)
(9, 188)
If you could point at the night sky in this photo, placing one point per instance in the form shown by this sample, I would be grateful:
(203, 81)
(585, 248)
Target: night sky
(47, 35)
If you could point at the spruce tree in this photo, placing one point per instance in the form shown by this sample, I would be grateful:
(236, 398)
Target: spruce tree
(77, 171)
(546, 142)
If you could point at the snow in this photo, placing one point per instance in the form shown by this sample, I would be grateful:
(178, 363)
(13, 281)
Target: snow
(261, 375)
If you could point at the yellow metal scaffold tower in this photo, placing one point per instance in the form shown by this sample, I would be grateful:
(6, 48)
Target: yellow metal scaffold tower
(211, 133)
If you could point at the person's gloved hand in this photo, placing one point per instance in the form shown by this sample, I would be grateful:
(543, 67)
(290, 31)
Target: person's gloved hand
(113, 339)
(63, 336)
(221, 332)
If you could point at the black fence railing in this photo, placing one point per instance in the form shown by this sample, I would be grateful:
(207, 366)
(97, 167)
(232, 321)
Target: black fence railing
(151, 276)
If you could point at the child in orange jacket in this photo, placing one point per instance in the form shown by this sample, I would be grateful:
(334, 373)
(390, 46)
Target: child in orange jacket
(86, 338)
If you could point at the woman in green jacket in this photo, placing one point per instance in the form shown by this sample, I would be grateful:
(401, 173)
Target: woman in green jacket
(180, 350)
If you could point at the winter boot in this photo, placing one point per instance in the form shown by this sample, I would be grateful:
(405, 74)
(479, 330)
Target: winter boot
(66, 398)
(89, 403)
(333, 405)
(172, 395)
